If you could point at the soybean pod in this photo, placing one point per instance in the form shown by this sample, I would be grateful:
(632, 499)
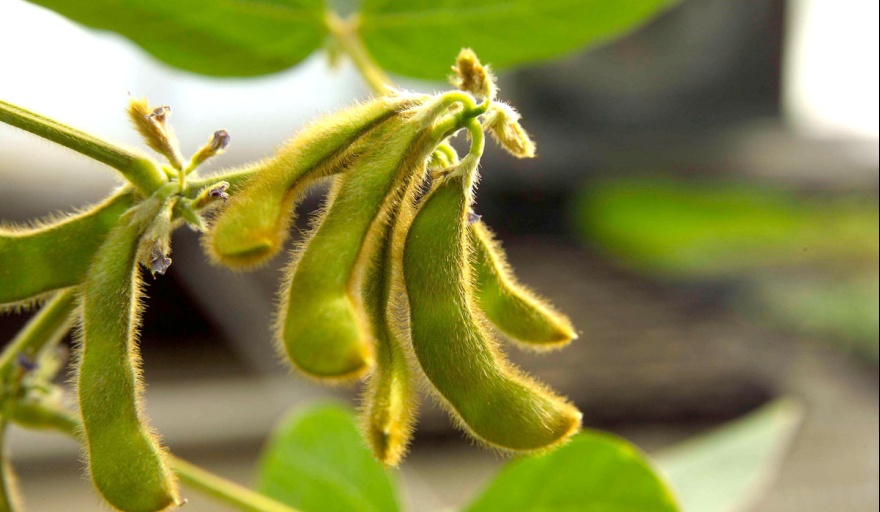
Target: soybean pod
(493, 400)
(55, 254)
(510, 306)
(253, 226)
(390, 399)
(125, 460)
(320, 326)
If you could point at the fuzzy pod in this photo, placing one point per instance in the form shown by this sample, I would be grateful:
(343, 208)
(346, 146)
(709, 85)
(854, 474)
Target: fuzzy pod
(390, 400)
(321, 327)
(125, 459)
(493, 400)
(55, 254)
(510, 306)
(254, 224)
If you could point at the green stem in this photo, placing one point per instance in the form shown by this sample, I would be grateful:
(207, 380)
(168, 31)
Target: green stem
(212, 485)
(51, 322)
(140, 170)
(6, 486)
(191, 475)
(345, 32)
(478, 140)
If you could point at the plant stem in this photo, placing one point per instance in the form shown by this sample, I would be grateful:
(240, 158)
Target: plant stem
(191, 475)
(51, 322)
(212, 485)
(6, 483)
(345, 32)
(478, 140)
(140, 170)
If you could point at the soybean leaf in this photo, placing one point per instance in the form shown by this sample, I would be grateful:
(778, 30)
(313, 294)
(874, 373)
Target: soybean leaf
(419, 37)
(595, 472)
(317, 461)
(210, 37)
(727, 470)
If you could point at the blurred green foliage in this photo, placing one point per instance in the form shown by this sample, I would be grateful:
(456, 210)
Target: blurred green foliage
(209, 37)
(417, 37)
(688, 229)
(317, 461)
(728, 469)
(809, 260)
(411, 37)
(844, 310)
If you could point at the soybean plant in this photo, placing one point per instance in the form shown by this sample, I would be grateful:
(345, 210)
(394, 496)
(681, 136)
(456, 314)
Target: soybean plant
(397, 281)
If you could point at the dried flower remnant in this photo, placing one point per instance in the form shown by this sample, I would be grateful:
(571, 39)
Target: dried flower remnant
(155, 129)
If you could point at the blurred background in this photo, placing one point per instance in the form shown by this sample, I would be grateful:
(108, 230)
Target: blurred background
(704, 207)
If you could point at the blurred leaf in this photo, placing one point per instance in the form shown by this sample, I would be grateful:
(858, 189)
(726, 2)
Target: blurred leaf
(845, 311)
(421, 37)
(594, 472)
(729, 469)
(210, 37)
(691, 229)
(317, 461)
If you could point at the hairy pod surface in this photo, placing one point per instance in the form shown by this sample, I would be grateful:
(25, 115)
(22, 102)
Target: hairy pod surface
(511, 307)
(253, 226)
(55, 255)
(494, 401)
(125, 459)
(320, 326)
(390, 401)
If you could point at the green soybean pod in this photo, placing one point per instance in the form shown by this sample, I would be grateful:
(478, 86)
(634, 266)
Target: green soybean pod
(390, 400)
(320, 326)
(510, 306)
(56, 253)
(254, 224)
(494, 401)
(126, 462)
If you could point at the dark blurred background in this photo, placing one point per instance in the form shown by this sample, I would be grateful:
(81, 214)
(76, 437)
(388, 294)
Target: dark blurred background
(704, 206)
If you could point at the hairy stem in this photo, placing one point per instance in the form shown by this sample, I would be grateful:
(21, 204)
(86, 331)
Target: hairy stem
(51, 322)
(345, 32)
(140, 170)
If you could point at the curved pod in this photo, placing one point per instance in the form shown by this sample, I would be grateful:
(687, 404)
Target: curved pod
(390, 401)
(126, 462)
(253, 226)
(320, 325)
(510, 306)
(493, 400)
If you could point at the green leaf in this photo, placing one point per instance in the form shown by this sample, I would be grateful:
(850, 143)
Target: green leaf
(708, 229)
(421, 38)
(728, 469)
(595, 472)
(210, 37)
(317, 461)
